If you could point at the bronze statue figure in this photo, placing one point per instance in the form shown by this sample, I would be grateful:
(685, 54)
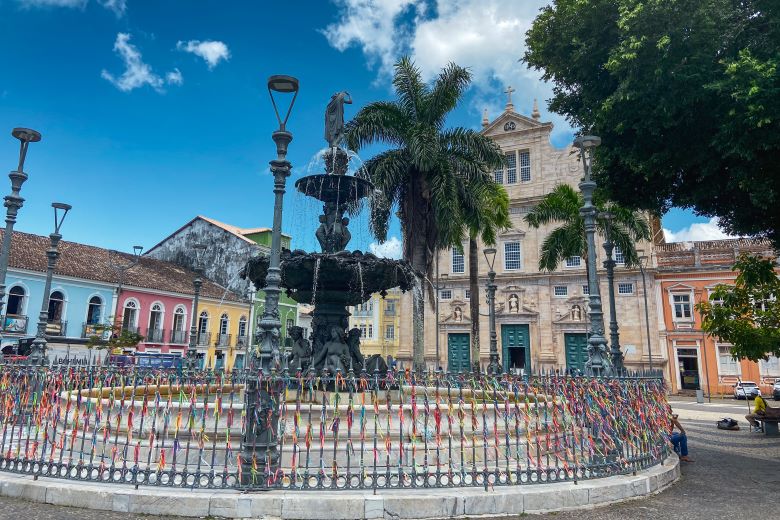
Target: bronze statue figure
(334, 117)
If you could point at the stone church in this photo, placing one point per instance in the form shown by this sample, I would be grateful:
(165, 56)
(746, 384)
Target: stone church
(541, 317)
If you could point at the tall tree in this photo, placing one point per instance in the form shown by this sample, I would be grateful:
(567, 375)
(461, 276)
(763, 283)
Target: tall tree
(562, 205)
(485, 206)
(685, 95)
(422, 173)
(746, 314)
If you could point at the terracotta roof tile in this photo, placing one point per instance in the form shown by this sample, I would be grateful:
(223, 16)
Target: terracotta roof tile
(95, 263)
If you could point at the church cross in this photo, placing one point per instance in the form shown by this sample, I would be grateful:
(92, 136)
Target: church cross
(508, 93)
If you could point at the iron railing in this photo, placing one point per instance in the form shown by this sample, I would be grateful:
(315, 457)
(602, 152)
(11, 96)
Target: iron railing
(359, 431)
(56, 327)
(223, 340)
(180, 337)
(204, 338)
(154, 335)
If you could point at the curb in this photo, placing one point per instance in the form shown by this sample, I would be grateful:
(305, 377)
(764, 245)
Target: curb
(311, 505)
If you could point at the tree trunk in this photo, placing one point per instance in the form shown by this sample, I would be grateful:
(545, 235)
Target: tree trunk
(416, 238)
(474, 299)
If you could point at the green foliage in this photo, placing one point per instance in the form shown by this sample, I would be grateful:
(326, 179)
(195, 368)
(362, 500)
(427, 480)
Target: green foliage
(685, 95)
(562, 205)
(746, 314)
(111, 336)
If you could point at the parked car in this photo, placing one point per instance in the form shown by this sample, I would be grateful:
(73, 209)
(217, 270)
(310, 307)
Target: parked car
(746, 390)
(776, 390)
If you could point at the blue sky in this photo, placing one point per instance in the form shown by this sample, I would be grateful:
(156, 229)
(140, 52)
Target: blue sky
(153, 112)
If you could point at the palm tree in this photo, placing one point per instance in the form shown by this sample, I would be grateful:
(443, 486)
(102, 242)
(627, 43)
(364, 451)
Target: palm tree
(485, 209)
(563, 205)
(422, 173)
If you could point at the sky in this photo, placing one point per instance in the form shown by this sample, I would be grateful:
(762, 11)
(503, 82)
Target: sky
(154, 112)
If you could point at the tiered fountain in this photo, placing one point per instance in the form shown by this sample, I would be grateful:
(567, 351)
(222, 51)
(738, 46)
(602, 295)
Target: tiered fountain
(335, 278)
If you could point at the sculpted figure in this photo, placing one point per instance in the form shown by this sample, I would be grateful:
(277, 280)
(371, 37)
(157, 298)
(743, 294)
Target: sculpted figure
(334, 117)
(353, 342)
(300, 357)
(335, 351)
(514, 303)
(458, 314)
(322, 234)
(576, 313)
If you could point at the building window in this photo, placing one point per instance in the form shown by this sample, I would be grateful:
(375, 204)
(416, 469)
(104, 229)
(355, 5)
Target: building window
(625, 288)
(130, 316)
(363, 329)
(156, 317)
(511, 168)
(573, 261)
(242, 327)
(498, 174)
(715, 301)
(525, 166)
(289, 323)
(727, 365)
(370, 331)
(445, 294)
(682, 306)
(203, 322)
(94, 310)
(467, 294)
(390, 307)
(56, 304)
(620, 258)
(560, 290)
(389, 331)
(512, 260)
(586, 290)
(15, 305)
(224, 324)
(178, 319)
(770, 367)
(458, 262)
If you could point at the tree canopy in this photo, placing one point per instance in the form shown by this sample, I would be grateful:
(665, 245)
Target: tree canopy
(746, 314)
(685, 95)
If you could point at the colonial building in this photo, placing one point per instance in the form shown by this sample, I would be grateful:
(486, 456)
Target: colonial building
(542, 317)
(379, 322)
(687, 274)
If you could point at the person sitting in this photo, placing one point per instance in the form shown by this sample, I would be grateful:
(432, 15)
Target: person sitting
(679, 440)
(759, 411)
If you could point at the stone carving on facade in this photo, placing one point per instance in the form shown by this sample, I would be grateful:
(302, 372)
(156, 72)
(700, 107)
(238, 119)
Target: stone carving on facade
(457, 314)
(576, 312)
(514, 303)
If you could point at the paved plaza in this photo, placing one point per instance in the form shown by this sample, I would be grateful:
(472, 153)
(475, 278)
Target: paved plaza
(734, 476)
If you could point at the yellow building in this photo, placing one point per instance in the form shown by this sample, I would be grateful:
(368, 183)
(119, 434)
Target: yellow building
(378, 321)
(223, 333)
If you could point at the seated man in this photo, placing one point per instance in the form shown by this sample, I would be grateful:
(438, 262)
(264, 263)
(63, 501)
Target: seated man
(679, 440)
(759, 410)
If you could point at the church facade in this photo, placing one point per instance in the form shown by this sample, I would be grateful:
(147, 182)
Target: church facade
(541, 317)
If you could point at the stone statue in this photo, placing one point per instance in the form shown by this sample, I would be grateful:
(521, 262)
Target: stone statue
(336, 350)
(300, 357)
(514, 303)
(576, 313)
(353, 342)
(322, 234)
(458, 314)
(343, 236)
(374, 363)
(334, 117)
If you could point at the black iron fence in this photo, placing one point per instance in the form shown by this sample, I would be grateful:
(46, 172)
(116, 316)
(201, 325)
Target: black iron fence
(358, 431)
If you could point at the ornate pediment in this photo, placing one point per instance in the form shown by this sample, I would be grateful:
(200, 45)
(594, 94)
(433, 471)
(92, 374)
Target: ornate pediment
(457, 313)
(572, 312)
(511, 121)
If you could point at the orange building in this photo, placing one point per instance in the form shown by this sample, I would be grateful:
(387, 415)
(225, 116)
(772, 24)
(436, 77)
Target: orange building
(687, 273)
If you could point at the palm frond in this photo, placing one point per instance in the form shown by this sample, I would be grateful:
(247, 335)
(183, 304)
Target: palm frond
(447, 91)
(562, 204)
(563, 242)
(382, 121)
(409, 87)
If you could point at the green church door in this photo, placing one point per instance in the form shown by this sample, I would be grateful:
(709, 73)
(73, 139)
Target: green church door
(458, 353)
(576, 350)
(515, 348)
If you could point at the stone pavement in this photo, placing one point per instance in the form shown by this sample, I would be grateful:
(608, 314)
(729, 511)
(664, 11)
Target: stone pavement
(736, 474)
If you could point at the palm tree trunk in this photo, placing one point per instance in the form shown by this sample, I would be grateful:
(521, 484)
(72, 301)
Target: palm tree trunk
(416, 252)
(474, 299)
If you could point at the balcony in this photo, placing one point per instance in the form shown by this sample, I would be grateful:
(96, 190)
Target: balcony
(223, 340)
(242, 341)
(56, 328)
(15, 323)
(155, 336)
(204, 338)
(132, 329)
(180, 337)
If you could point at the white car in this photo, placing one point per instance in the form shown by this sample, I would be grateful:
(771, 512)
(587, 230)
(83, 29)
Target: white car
(776, 390)
(746, 389)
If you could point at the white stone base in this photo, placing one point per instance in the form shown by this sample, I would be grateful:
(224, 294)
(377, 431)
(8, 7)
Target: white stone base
(347, 505)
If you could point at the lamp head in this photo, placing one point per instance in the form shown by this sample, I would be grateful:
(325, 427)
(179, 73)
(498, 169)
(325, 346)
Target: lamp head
(282, 84)
(25, 136)
(137, 250)
(60, 211)
(490, 256)
(585, 142)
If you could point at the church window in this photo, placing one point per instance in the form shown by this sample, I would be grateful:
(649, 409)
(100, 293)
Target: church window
(625, 288)
(573, 261)
(511, 168)
(620, 258)
(498, 174)
(525, 166)
(560, 290)
(445, 294)
(458, 262)
(512, 259)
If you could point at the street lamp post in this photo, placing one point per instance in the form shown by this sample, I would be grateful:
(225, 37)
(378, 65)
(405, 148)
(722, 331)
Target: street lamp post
(14, 202)
(441, 283)
(642, 262)
(597, 344)
(259, 447)
(197, 283)
(38, 353)
(616, 354)
(494, 366)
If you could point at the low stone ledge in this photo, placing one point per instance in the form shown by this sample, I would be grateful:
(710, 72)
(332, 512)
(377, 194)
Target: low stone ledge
(426, 504)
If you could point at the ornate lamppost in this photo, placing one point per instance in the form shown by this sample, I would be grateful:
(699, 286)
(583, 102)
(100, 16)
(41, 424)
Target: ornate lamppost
(441, 283)
(494, 367)
(259, 444)
(642, 263)
(597, 344)
(197, 283)
(38, 352)
(615, 353)
(14, 202)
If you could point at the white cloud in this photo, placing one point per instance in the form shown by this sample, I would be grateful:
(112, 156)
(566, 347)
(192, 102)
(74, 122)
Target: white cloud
(697, 231)
(117, 6)
(488, 36)
(137, 73)
(211, 51)
(389, 249)
(174, 77)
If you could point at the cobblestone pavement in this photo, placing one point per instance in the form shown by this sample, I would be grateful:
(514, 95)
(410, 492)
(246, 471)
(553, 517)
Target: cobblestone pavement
(736, 475)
